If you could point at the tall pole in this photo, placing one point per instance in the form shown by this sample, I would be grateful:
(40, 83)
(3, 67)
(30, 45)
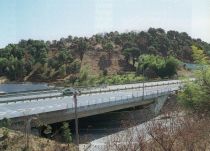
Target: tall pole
(28, 130)
(76, 119)
(143, 81)
(28, 126)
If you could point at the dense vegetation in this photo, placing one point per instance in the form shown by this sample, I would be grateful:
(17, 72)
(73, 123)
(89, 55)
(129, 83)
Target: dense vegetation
(196, 94)
(109, 80)
(51, 60)
(157, 66)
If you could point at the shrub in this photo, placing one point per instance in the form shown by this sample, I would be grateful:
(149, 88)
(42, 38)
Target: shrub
(105, 72)
(74, 67)
(157, 66)
(5, 122)
(195, 95)
(62, 71)
(66, 133)
(6, 133)
(73, 79)
(83, 74)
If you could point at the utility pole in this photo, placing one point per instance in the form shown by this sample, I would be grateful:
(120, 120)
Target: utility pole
(28, 130)
(76, 119)
(143, 81)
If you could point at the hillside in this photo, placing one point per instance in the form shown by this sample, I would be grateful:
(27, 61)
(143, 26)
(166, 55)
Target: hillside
(16, 141)
(108, 53)
(99, 61)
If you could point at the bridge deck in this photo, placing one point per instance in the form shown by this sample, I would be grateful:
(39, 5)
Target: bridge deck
(12, 110)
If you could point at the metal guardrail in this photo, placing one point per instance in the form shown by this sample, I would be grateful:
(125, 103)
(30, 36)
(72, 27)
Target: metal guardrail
(145, 85)
(25, 93)
(30, 99)
(127, 88)
(120, 101)
(102, 85)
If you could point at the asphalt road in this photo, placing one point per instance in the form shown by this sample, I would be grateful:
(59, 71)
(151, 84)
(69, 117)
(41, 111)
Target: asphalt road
(18, 109)
(56, 93)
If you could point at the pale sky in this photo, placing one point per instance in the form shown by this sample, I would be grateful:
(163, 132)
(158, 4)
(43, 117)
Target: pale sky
(54, 19)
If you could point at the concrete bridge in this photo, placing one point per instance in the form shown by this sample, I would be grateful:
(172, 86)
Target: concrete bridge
(52, 106)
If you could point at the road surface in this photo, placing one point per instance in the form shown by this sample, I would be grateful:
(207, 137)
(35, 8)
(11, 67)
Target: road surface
(18, 109)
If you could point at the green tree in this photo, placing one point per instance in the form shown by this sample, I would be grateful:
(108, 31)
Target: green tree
(157, 65)
(195, 95)
(131, 53)
(66, 133)
(62, 71)
(53, 62)
(199, 56)
(73, 68)
(43, 56)
(81, 47)
(3, 65)
(5, 122)
(171, 66)
(109, 48)
(65, 57)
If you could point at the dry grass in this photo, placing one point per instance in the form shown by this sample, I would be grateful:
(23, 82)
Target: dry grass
(3, 80)
(16, 141)
(113, 64)
(184, 73)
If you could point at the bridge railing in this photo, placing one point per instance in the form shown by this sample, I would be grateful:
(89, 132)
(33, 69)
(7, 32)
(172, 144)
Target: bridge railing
(156, 84)
(120, 101)
(26, 93)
